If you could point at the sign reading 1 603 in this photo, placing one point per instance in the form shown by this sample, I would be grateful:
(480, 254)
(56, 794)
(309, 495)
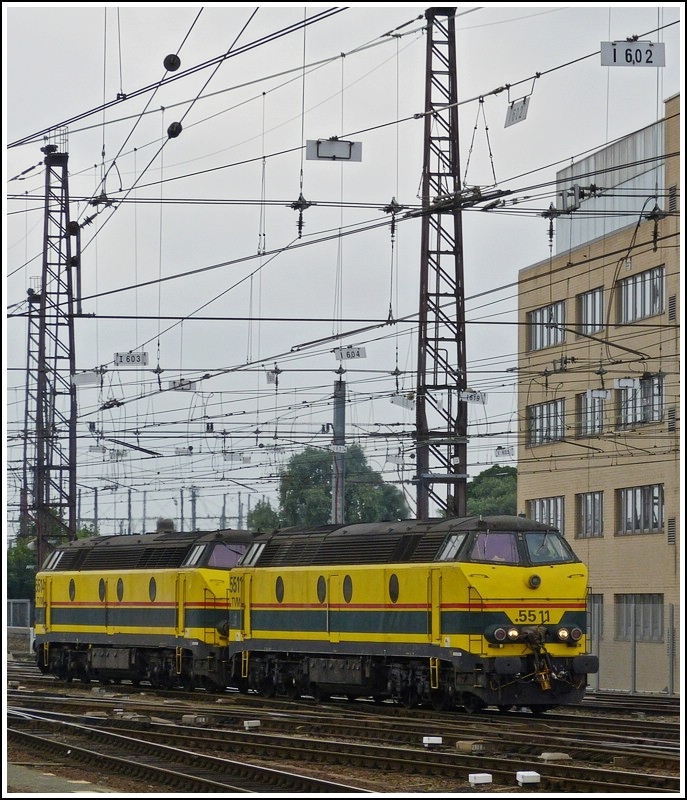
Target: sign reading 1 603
(633, 54)
(131, 358)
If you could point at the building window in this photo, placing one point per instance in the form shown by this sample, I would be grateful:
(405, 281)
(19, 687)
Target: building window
(647, 610)
(641, 402)
(596, 617)
(546, 422)
(548, 510)
(642, 295)
(640, 509)
(590, 311)
(545, 326)
(589, 515)
(590, 409)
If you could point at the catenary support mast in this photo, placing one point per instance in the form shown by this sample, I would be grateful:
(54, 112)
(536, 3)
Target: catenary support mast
(48, 497)
(441, 415)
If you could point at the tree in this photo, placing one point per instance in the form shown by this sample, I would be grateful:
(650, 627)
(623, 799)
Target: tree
(305, 490)
(367, 498)
(493, 491)
(263, 517)
(21, 571)
(21, 564)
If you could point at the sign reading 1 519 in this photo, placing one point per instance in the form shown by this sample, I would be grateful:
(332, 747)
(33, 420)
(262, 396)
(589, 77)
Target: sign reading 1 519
(633, 54)
(132, 359)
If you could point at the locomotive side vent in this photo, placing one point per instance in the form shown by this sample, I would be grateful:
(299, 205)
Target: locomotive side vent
(136, 557)
(428, 547)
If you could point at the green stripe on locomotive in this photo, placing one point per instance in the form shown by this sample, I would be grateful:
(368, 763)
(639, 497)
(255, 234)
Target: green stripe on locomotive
(451, 604)
(135, 601)
(384, 622)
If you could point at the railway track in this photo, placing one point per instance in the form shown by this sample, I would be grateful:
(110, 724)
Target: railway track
(159, 764)
(23, 670)
(359, 736)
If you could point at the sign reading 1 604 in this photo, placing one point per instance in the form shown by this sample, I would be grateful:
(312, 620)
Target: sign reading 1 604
(633, 54)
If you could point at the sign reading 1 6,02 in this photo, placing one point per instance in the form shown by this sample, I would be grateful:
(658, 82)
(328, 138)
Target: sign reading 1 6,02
(633, 54)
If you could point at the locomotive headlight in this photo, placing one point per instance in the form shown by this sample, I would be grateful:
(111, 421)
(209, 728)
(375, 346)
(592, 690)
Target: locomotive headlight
(575, 634)
(534, 581)
(563, 634)
(496, 634)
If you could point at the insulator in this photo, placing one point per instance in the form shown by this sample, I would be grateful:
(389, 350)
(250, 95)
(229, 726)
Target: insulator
(172, 62)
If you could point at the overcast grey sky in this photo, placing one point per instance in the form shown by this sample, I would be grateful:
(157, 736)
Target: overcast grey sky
(196, 257)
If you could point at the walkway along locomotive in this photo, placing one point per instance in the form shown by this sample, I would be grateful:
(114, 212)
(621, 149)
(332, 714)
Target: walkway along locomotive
(458, 612)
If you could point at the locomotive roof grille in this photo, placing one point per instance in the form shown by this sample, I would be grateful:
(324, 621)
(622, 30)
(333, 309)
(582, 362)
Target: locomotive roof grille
(428, 547)
(358, 548)
(409, 541)
(148, 551)
(135, 558)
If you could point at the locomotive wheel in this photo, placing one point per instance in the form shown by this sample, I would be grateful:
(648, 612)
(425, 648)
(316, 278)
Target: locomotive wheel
(539, 710)
(503, 709)
(440, 700)
(409, 699)
(318, 695)
(267, 688)
(472, 704)
(293, 692)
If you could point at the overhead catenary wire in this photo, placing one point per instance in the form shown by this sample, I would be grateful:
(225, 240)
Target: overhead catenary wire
(185, 317)
(38, 135)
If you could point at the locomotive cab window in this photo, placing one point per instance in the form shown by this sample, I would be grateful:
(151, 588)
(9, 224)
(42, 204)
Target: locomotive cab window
(194, 556)
(547, 547)
(495, 546)
(253, 554)
(53, 560)
(214, 554)
(225, 555)
(450, 549)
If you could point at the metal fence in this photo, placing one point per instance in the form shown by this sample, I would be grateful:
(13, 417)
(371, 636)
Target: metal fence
(19, 614)
(19, 627)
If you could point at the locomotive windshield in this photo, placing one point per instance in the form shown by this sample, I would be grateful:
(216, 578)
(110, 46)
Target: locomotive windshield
(547, 547)
(495, 546)
(215, 554)
(511, 547)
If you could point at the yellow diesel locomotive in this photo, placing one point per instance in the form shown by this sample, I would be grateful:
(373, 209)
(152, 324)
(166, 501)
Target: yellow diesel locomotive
(458, 612)
(139, 608)
(453, 613)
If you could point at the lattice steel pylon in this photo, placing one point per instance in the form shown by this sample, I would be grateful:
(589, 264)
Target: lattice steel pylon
(441, 415)
(48, 498)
